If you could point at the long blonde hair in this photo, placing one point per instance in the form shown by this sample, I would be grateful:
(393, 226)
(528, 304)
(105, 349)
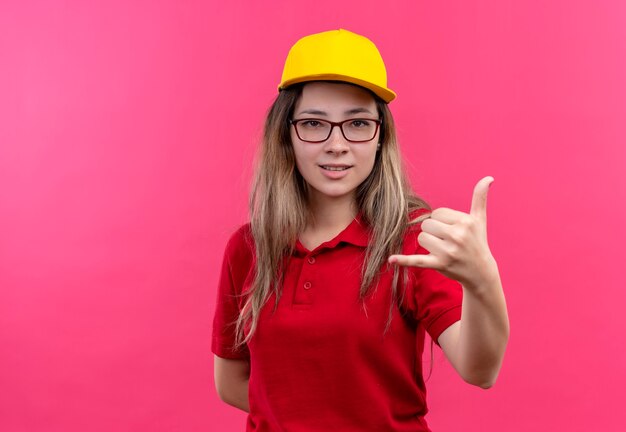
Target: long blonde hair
(279, 209)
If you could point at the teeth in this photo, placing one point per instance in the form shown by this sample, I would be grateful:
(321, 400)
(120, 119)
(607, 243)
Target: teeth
(330, 168)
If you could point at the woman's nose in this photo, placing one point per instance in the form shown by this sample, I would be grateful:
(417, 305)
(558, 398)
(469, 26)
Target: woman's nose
(336, 141)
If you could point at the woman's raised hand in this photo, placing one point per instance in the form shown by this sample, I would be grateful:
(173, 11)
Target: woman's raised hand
(457, 243)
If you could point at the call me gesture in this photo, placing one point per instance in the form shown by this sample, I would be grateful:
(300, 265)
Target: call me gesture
(458, 248)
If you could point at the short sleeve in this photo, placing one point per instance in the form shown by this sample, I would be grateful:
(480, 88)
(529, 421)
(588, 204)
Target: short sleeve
(432, 299)
(236, 268)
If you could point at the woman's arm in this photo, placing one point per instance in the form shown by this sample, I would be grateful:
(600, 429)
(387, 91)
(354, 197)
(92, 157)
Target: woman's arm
(475, 345)
(458, 248)
(231, 381)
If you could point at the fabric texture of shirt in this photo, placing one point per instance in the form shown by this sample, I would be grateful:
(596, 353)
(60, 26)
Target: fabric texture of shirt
(320, 361)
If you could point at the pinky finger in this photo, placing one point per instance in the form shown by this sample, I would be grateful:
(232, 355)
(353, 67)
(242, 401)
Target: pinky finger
(425, 261)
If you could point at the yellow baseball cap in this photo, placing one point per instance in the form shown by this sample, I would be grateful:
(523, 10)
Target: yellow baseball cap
(337, 55)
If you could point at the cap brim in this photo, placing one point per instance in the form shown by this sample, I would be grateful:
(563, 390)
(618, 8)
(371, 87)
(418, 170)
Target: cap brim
(385, 94)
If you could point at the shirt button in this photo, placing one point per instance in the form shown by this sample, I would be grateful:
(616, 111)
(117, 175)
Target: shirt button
(311, 260)
(307, 285)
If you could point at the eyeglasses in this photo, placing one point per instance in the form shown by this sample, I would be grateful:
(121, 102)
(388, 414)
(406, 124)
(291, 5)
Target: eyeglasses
(355, 130)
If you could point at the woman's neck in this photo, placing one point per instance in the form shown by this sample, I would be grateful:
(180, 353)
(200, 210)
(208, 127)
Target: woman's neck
(329, 216)
(331, 213)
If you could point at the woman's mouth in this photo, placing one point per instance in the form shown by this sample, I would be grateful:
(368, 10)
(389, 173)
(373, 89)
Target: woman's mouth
(335, 167)
(335, 172)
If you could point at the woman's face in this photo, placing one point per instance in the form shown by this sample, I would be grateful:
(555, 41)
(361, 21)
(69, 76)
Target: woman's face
(336, 167)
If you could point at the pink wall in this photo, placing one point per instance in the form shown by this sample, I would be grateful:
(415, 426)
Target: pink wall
(126, 135)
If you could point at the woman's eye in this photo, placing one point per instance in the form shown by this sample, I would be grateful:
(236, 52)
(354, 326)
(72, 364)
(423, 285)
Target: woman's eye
(360, 123)
(311, 123)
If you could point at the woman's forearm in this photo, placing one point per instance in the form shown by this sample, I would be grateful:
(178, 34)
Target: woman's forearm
(484, 333)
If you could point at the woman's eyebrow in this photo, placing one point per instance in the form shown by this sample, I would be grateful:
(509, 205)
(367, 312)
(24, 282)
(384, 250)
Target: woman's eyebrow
(324, 113)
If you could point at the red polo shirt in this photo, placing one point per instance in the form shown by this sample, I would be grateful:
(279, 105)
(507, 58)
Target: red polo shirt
(319, 362)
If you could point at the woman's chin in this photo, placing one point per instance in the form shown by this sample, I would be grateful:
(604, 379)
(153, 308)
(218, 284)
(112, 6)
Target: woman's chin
(334, 193)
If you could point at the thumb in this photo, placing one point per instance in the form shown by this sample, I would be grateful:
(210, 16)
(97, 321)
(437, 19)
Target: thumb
(479, 198)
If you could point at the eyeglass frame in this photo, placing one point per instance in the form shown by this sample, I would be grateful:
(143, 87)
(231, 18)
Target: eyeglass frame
(332, 126)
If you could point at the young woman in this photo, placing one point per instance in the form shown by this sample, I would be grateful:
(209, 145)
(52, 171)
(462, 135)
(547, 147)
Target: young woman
(326, 295)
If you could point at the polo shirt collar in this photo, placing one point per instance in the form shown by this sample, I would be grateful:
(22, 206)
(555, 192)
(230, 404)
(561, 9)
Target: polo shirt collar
(357, 233)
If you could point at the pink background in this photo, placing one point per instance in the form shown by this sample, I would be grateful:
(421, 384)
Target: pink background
(127, 130)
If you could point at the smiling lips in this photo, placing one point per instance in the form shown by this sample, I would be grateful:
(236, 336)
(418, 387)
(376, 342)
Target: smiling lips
(335, 171)
(335, 167)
